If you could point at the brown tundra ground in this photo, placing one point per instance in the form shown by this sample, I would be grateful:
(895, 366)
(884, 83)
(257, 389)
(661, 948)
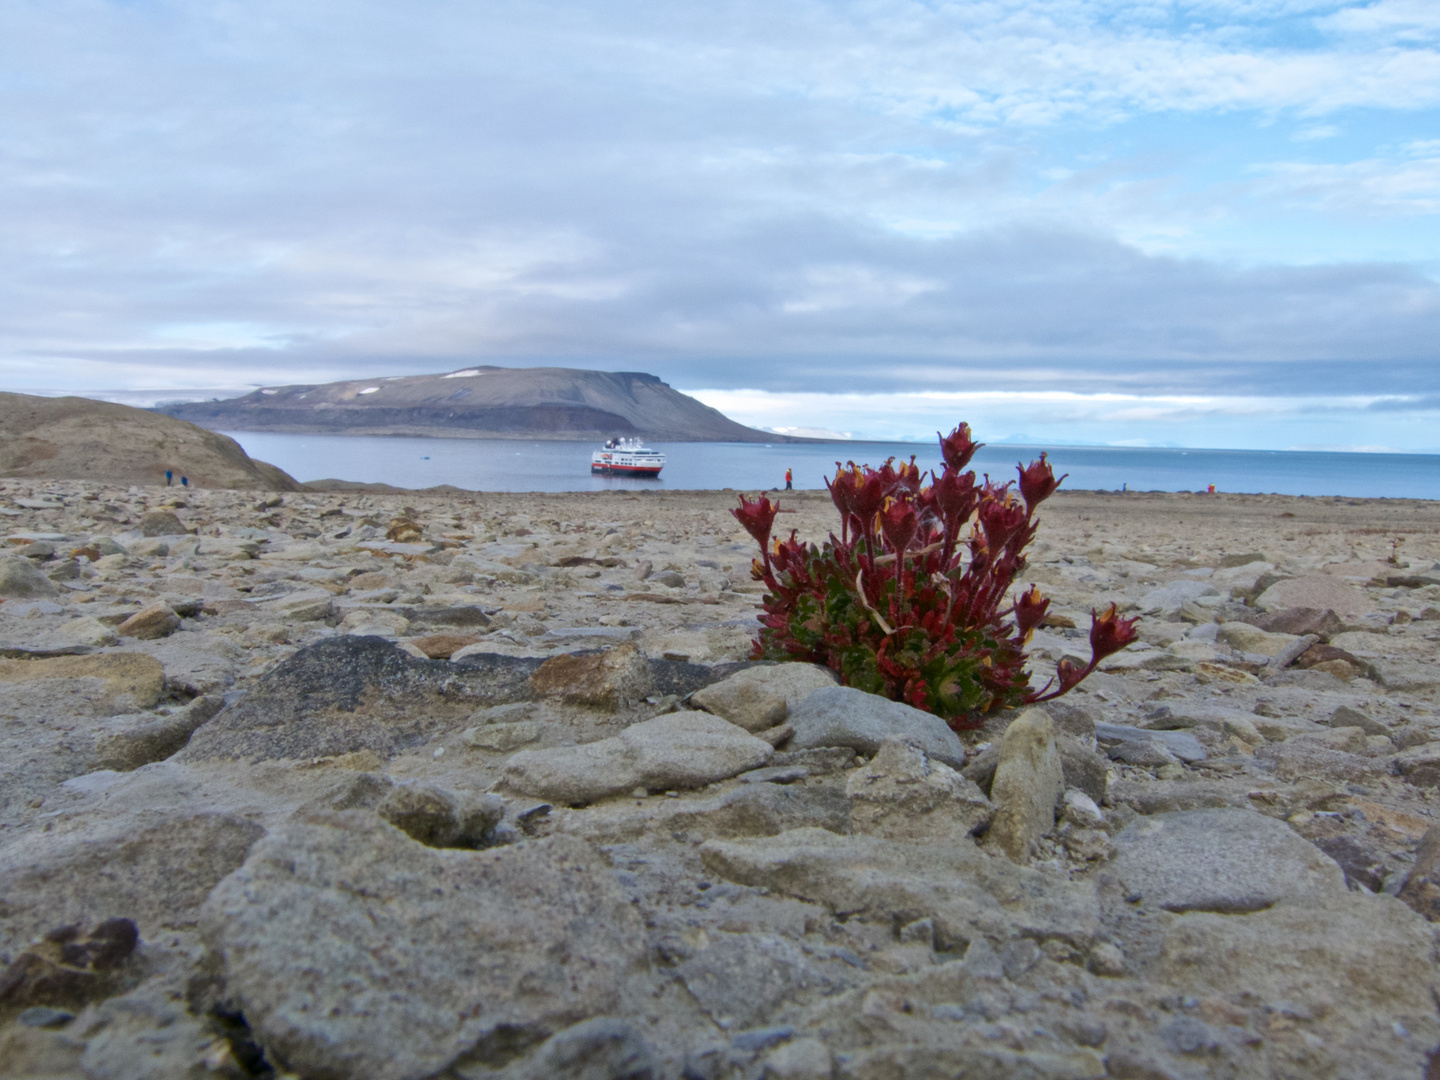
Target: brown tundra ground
(413, 785)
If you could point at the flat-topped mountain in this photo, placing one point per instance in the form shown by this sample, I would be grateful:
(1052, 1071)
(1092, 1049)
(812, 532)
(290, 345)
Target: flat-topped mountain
(74, 438)
(481, 402)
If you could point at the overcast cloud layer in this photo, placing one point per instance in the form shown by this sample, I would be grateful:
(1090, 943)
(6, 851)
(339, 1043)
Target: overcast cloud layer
(1210, 223)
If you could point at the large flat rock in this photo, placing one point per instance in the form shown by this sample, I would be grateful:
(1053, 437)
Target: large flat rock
(51, 710)
(761, 697)
(62, 686)
(1317, 591)
(844, 716)
(156, 871)
(356, 952)
(1327, 970)
(1221, 860)
(353, 693)
(678, 750)
(965, 891)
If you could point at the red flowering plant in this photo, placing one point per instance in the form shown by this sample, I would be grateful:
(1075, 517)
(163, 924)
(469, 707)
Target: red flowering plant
(912, 600)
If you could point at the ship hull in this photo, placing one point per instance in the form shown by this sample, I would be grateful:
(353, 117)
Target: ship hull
(625, 470)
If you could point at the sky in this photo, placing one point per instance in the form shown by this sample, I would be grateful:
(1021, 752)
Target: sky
(1071, 221)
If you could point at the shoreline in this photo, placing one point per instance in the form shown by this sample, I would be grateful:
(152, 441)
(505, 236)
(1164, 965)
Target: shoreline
(419, 463)
(780, 440)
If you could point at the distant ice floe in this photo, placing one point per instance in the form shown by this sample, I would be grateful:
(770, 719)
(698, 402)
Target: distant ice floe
(467, 373)
(370, 390)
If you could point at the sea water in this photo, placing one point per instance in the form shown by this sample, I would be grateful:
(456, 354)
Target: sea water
(525, 465)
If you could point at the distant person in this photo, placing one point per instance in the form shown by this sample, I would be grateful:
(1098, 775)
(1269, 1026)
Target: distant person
(185, 481)
(1124, 487)
(789, 480)
(1211, 489)
(169, 476)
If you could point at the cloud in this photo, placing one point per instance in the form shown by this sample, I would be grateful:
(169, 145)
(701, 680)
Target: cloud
(1061, 417)
(1404, 20)
(887, 197)
(1405, 183)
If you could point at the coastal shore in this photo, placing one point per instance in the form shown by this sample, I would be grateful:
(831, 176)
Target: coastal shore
(254, 724)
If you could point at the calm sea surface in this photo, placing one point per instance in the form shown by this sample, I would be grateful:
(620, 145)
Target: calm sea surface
(506, 465)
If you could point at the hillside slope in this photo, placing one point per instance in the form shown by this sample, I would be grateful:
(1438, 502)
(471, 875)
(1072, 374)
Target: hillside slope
(73, 438)
(481, 402)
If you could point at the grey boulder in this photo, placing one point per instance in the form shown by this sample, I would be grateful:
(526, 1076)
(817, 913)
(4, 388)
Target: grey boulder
(1028, 785)
(356, 952)
(1221, 860)
(1169, 598)
(762, 697)
(677, 750)
(349, 693)
(1125, 743)
(1318, 591)
(966, 892)
(844, 716)
(903, 795)
(21, 580)
(155, 870)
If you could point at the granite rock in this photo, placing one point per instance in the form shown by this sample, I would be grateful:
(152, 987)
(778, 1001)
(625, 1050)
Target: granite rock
(966, 892)
(844, 716)
(443, 646)
(901, 794)
(156, 872)
(162, 523)
(439, 818)
(1421, 889)
(1179, 745)
(606, 679)
(1228, 861)
(677, 750)
(354, 951)
(1170, 598)
(20, 579)
(758, 698)
(1324, 969)
(155, 620)
(1251, 639)
(128, 742)
(1028, 786)
(1316, 591)
(1323, 623)
(97, 685)
(605, 1048)
(350, 693)
(744, 980)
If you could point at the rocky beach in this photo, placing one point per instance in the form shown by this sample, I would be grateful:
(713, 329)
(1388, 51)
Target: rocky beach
(391, 786)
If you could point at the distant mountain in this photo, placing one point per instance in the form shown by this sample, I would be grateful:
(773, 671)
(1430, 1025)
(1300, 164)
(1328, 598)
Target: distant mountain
(481, 403)
(73, 438)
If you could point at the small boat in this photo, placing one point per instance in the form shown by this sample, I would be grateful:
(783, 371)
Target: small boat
(627, 457)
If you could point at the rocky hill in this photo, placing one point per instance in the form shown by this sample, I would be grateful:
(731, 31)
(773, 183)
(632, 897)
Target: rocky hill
(481, 402)
(72, 438)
